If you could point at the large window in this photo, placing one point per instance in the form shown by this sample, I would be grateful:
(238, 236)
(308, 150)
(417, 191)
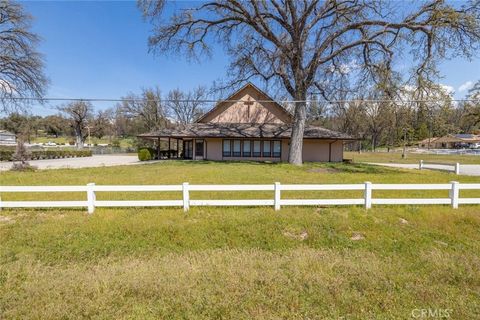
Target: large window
(237, 150)
(252, 148)
(246, 149)
(227, 148)
(266, 149)
(256, 149)
(277, 149)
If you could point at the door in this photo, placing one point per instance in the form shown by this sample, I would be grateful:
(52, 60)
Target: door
(188, 149)
(199, 149)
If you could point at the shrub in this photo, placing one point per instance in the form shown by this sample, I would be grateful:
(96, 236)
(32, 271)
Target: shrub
(7, 154)
(144, 154)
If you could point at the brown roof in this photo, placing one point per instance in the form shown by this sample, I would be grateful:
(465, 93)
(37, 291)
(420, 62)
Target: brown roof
(243, 130)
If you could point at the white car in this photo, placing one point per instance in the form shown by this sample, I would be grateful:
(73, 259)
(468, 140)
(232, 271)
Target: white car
(50, 144)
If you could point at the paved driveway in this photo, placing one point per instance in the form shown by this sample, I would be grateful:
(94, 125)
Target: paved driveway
(465, 169)
(86, 162)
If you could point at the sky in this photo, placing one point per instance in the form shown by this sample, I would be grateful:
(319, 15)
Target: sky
(98, 49)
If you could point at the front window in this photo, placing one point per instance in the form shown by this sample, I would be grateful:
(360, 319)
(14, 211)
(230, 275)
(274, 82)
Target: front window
(227, 148)
(266, 149)
(277, 149)
(237, 148)
(256, 148)
(246, 149)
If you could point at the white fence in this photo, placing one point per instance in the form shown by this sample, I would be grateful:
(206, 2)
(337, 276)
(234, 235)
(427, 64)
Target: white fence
(367, 200)
(454, 167)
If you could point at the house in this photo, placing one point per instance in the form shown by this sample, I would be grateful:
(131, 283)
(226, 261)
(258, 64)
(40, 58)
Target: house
(452, 141)
(7, 138)
(248, 125)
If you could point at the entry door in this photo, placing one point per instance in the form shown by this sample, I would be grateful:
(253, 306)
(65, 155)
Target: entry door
(199, 149)
(188, 149)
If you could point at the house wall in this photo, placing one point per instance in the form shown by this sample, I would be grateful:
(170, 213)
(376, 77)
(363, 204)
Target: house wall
(239, 112)
(314, 150)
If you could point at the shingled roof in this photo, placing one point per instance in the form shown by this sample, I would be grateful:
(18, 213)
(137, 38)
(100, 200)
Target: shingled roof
(243, 130)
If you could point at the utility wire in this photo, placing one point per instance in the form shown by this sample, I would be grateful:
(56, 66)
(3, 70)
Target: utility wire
(218, 101)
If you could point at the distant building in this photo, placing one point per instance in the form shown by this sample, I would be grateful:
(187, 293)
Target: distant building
(452, 141)
(7, 138)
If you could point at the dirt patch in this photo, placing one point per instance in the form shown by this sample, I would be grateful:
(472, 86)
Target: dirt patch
(323, 170)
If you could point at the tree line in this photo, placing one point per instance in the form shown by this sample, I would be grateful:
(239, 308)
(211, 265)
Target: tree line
(139, 113)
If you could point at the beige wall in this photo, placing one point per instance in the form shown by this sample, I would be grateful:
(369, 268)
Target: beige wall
(314, 150)
(317, 150)
(239, 112)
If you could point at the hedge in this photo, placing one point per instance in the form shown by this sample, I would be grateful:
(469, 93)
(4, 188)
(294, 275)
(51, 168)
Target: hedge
(7, 154)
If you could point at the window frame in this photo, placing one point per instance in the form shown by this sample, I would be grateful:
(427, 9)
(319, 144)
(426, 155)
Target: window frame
(224, 153)
(249, 153)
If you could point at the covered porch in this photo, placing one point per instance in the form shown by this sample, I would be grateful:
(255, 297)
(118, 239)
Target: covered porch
(177, 148)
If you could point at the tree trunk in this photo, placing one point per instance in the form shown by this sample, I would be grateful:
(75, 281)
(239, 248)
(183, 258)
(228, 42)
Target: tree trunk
(296, 140)
(79, 138)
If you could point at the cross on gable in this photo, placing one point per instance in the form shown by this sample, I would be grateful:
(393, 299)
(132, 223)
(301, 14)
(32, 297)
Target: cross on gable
(248, 103)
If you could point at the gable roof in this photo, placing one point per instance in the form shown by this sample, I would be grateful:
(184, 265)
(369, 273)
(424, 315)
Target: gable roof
(248, 85)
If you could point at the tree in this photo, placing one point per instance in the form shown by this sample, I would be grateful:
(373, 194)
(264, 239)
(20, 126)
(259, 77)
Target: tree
(79, 113)
(186, 107)
(299, 44)
(148, 107)
(55, 125)
(471, 118)
(21, 66)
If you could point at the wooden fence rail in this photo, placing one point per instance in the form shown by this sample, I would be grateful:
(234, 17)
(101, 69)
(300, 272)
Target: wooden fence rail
(454, 167)
(277, 202)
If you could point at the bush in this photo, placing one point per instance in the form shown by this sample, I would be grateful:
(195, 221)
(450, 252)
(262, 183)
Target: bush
(144, 154)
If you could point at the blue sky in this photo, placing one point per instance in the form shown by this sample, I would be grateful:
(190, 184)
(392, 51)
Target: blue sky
(99, 50)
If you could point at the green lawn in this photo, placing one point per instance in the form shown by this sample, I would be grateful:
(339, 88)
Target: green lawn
(238, 263)
(396, 157)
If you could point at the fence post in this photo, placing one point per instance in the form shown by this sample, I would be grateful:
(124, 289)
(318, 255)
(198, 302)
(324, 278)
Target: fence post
(368, 195)
(457, 168)
(90, 198)
(454, 194)
(186, 197)
(420, 166)
(277, 196)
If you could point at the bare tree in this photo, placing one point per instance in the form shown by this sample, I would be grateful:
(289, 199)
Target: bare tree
(21, 66)
(186, 107)
(148, 107)
(79, 113)
(300, 44)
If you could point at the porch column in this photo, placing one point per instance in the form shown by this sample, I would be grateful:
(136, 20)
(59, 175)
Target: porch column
(158, 148)
(169, 148)
(178, 148)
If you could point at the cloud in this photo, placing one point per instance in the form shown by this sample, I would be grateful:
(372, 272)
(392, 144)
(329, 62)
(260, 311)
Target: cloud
(464, 87)
(448, 89)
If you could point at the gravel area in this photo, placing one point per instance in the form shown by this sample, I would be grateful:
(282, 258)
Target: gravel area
(86, 162)
(465, 169)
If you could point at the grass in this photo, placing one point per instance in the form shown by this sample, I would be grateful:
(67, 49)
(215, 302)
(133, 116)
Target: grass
(240, 263)
(396, 157)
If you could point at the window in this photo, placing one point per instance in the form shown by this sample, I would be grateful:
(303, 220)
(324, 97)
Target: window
(237, 148)
(199, 148)
(256, 148)
(227, 148)
(246, 149)
(266, 149)
(277, 149)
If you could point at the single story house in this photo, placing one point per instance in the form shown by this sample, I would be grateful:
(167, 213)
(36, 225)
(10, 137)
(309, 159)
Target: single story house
(452, 141)
(7, 138)
(248, 125)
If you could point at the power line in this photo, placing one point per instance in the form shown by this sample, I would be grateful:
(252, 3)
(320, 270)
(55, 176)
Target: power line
(233, 101)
